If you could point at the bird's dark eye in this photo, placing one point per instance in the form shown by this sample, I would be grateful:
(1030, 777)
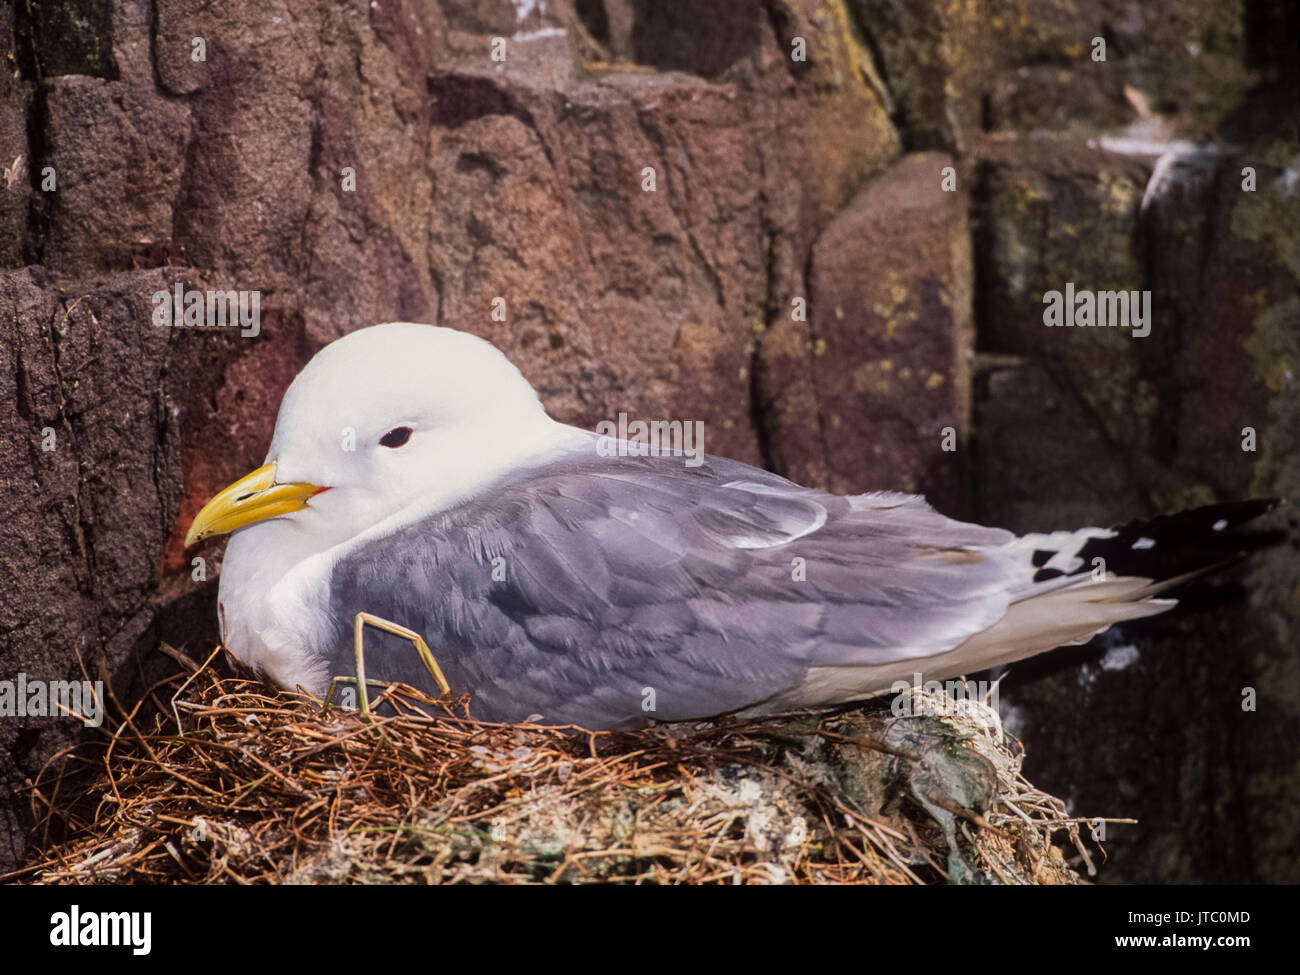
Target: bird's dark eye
(396, 437)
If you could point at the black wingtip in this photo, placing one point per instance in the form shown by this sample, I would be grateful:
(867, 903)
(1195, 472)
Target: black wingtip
(1212, 519)
(1184, 543)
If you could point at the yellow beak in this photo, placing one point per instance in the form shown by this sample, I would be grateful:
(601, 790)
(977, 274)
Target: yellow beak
(254, 497)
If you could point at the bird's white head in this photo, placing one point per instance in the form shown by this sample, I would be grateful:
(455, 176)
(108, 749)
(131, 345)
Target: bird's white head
(382, 420)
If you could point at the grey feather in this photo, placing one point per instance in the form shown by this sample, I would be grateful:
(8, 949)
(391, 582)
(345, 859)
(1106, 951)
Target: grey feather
(626, 577)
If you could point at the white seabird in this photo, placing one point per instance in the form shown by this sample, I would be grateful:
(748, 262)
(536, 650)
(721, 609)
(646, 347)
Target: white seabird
(414, 475)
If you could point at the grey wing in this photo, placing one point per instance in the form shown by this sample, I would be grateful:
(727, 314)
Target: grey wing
(609, 591)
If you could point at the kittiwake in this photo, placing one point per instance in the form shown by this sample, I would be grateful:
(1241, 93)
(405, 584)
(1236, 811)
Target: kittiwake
(414, 475)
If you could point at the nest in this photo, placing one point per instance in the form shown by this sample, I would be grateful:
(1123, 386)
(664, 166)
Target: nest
(235, 783)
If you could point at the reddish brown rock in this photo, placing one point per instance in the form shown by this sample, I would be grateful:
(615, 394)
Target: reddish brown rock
(90, 445)
(890, 309)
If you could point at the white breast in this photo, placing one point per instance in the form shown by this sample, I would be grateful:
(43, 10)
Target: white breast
(275, 615)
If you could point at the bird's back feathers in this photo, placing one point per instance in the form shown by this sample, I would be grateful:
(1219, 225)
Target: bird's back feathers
(611, 591)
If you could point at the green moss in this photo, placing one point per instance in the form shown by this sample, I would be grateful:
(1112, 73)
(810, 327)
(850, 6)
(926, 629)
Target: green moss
(1271, 213)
